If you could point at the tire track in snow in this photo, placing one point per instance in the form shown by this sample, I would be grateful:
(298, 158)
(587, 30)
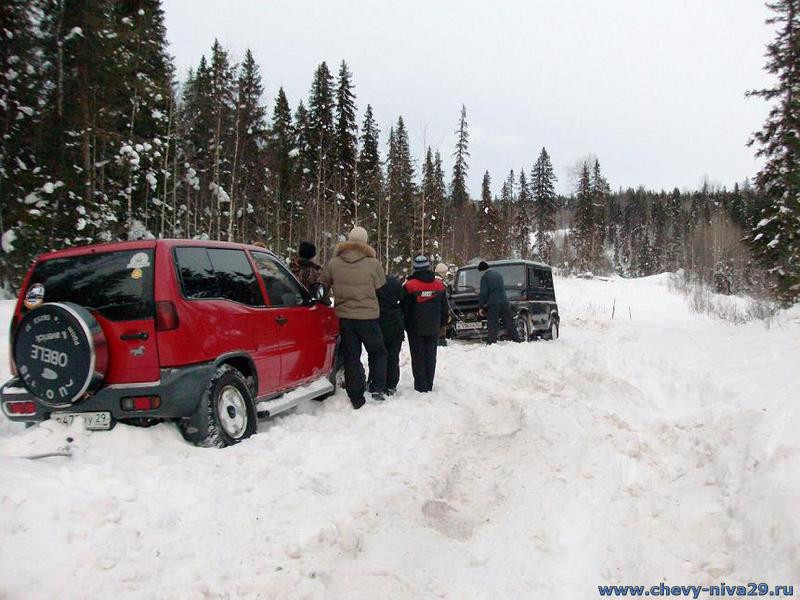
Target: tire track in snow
(564, 473)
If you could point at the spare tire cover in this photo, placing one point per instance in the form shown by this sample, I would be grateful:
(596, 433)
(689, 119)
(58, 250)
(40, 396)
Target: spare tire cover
(60, 353)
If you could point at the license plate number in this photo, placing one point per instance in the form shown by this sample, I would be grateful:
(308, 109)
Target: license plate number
(475, 325)
(91, 420)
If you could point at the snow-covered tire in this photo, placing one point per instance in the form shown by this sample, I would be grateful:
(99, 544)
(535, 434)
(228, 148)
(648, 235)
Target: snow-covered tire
(227, 414)
(523, 326)
(551, 333)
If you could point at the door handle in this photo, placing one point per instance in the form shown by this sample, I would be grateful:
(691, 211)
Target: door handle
(281, 320)
(141, 335)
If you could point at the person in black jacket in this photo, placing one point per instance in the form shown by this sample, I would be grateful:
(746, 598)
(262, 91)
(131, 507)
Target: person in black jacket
(391, 321)
(425, 307)
(494, 304)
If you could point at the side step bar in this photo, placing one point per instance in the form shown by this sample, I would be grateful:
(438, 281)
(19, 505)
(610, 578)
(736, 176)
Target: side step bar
(270, 408)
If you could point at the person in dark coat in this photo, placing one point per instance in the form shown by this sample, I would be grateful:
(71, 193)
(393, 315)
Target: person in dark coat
(303, 265)
(425, 308)
(494, 303)
(391, 320)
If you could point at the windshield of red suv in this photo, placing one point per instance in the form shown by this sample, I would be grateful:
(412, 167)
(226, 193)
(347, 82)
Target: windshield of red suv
(469, 280)
(118, 285)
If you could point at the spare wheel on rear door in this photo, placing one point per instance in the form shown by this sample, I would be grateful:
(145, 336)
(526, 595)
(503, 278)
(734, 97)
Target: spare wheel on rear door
(60, 353)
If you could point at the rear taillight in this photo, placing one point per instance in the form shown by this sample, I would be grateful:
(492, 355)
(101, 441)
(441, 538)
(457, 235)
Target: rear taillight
(141, 403)
(20, 407)
(166, 316)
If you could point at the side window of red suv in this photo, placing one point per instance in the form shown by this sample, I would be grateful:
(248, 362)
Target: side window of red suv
(282, 289)
(235, 276)
(217, 273)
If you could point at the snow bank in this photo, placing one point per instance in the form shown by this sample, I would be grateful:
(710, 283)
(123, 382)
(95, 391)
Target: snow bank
(657, 446)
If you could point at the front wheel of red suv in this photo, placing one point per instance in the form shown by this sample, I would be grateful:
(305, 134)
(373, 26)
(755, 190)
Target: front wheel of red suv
(228, 414)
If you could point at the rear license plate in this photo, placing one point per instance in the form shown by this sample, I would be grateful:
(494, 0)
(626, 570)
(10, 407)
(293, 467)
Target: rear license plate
(476, 325)
(91, 420)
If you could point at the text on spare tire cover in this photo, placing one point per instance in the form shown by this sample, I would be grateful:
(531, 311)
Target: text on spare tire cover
(53, 354)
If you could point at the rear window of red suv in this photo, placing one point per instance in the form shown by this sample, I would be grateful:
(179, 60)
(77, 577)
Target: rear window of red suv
(118, 285)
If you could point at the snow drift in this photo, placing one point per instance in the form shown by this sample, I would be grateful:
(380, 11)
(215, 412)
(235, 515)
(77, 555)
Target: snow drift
(657, 446)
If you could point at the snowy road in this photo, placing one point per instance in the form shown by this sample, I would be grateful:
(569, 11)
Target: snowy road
(660, 446)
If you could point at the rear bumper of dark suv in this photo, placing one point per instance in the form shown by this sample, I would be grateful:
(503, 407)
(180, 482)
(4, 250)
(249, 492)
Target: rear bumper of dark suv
(180, 390)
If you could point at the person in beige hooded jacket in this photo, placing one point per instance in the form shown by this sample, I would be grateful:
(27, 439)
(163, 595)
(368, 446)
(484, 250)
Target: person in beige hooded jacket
(354, 274)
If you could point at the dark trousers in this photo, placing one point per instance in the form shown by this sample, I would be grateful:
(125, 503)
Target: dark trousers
(353, 334)
(423, 360)
(497, 313)
(393, 344)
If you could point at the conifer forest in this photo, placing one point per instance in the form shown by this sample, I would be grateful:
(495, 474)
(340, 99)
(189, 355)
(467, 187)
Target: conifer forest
(103, 141)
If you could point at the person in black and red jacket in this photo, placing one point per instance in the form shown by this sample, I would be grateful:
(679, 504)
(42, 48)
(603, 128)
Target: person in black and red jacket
(425, 308)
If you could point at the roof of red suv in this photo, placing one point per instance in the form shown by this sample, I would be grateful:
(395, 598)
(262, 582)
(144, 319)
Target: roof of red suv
(143, 244)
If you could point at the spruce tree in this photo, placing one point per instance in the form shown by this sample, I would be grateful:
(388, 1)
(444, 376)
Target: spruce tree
(223, 106)
(401, 191)
(522, 228)
(432, 208)
(305, 161)
(458, 185)
(599, 191)
(249, 157)
(146, 111)
(23, 98)
(543, 196)
(443, 227)
(776, 236)
(370, 176)
(321, 109)
(281, 157)
(488, 222)
(195, 120)
(392, 190)
(583, 228)
(345, 151)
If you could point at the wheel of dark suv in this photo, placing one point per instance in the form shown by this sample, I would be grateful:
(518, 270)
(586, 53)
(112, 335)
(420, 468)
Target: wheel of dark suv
(552, 331)
(523, 327)
(227, 412)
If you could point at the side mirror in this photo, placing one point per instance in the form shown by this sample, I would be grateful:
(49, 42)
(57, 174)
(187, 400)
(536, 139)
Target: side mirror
(318, 292)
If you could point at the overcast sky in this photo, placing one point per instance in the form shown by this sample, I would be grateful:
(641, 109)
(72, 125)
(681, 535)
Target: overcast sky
(653, 88)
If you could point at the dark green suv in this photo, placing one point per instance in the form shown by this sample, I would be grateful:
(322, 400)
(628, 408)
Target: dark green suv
(530, 291)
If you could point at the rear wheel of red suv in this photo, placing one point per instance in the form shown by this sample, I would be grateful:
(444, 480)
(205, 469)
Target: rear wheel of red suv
(228, 414)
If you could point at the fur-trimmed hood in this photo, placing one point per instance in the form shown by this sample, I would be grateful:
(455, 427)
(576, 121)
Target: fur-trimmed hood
(354, 251)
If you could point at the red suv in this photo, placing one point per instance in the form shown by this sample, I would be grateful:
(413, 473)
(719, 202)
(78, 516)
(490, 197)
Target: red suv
(211, 335)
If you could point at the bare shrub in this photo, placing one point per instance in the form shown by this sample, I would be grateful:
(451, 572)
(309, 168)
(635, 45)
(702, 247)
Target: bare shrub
(735, 309)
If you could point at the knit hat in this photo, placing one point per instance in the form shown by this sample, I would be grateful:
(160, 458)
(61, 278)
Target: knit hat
(358, 234)
(307, 250)
(421, 263)
(483, 266)
(441, 269)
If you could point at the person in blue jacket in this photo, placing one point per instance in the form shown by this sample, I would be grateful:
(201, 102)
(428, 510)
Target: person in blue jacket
(494, 304)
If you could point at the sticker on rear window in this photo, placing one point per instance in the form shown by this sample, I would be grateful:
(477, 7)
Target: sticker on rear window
(35, 296)
(136, 274)
(139, 260)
